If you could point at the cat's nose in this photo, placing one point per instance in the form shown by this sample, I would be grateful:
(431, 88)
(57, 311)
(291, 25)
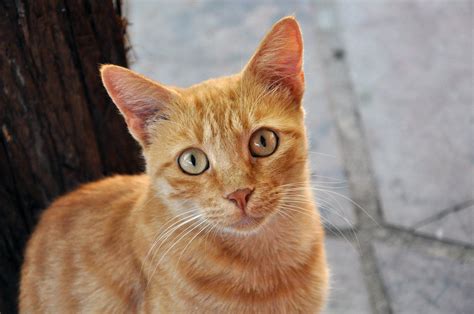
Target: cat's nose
(240, 197)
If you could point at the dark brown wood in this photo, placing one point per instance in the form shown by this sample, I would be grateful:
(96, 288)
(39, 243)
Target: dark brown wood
(58, 128)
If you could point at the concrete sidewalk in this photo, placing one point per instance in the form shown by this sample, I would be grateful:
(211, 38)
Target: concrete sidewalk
(390, 118)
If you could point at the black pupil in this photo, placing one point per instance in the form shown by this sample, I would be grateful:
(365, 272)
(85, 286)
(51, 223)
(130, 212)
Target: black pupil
(263, 141)
(193, 160)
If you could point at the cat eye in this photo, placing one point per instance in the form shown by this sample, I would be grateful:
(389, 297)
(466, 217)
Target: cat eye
(263, 143)
(193, 161)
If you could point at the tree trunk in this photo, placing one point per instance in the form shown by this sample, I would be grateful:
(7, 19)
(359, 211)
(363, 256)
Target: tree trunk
(58, 126)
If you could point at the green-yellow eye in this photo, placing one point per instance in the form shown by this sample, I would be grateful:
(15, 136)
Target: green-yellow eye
(193, 161)
(263, 143)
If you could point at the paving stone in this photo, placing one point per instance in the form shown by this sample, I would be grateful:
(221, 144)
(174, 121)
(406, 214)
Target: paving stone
(458, 226)
(348, 292)
(412, 68)
(184, 42)
(419, 283)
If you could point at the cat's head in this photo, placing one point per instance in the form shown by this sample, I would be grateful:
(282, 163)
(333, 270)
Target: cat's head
(229, 148)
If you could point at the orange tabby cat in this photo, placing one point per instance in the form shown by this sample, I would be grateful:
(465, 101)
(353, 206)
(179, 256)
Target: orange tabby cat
(223, 221)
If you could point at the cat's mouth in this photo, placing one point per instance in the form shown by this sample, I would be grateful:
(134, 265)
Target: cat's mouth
(246, 222)
(255, 215)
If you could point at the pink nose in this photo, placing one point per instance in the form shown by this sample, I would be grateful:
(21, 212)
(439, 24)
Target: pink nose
(240, 197)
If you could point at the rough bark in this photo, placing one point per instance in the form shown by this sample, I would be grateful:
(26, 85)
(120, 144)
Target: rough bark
(58, 126)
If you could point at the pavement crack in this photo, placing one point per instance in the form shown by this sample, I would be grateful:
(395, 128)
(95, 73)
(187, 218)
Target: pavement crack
(395, 235)
(443, 213)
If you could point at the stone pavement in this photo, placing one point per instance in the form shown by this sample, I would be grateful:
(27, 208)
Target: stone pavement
(390, 116)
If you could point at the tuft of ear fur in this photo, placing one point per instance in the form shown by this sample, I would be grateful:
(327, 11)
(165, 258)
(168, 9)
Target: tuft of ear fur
(139, 99)
(278, 61)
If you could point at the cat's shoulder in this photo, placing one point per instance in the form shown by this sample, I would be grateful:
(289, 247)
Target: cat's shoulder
(116, 191)
(115, 186)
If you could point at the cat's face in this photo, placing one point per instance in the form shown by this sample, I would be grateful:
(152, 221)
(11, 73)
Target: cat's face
(227, 149)
(218, 129)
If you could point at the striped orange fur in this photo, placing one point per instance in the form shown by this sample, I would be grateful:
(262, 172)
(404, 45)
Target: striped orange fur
(170, 242)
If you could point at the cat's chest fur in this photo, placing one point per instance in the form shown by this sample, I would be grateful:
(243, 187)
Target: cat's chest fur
(260, 274)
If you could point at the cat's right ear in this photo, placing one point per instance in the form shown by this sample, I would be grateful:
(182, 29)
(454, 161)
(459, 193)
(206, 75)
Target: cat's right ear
(139, 99)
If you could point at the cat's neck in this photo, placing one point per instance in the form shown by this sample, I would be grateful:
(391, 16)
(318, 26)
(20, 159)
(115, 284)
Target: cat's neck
(282, 238)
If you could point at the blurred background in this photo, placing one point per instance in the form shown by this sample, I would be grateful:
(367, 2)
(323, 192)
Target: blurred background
(389, 113)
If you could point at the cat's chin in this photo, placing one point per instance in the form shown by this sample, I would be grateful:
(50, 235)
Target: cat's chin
(246, 224)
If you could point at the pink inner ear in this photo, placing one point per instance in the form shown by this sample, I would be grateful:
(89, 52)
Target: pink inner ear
(279, 60)
(137, 121)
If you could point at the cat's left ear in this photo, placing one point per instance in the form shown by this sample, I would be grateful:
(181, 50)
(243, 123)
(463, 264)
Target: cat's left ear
(278, 61)
(139, 99)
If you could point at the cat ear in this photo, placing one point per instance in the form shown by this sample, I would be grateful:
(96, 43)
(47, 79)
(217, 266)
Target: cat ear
(139, 99)
(278, 61)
